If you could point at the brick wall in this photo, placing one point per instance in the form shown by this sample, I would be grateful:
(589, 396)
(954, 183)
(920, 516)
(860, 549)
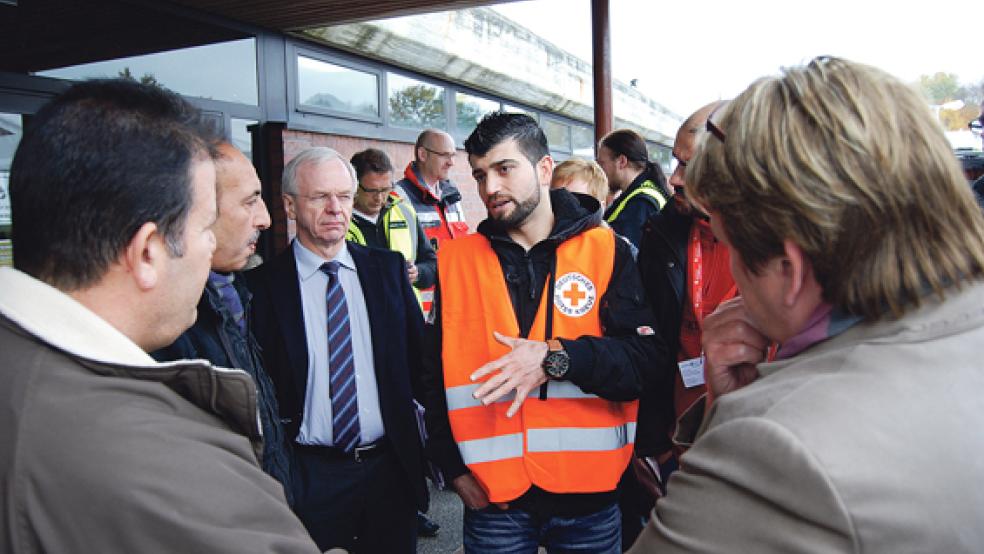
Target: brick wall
(400, 153)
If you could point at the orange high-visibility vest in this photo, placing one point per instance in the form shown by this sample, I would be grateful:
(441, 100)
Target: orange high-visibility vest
(572, 442)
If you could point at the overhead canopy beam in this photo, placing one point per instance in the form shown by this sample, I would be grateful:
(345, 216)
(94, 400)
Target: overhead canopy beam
(601, 64)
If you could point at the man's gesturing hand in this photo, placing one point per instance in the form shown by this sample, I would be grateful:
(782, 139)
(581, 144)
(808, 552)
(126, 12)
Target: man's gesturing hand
(520, 370)
(732, 347)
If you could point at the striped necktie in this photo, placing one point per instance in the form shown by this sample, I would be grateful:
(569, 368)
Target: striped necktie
(341, 365)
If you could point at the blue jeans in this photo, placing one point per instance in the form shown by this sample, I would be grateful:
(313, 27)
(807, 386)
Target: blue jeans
(496, 531)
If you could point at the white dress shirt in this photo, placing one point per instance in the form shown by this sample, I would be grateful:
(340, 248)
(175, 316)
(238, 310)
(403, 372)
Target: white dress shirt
(316, 428)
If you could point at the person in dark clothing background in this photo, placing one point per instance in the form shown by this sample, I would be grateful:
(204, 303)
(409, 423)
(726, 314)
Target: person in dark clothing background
(641, 185)
(221, 334)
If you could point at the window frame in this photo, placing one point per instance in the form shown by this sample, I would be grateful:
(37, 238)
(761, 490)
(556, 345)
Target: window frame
(294, 52)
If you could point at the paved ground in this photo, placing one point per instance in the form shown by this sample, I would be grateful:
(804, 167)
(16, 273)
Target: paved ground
(445, 509)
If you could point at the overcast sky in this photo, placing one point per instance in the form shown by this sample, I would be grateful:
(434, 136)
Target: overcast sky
(687, 53)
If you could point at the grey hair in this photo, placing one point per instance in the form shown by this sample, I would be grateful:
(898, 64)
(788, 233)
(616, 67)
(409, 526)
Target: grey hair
(317, 154)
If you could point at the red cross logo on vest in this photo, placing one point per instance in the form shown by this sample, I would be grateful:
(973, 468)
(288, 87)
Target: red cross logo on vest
(574, 294)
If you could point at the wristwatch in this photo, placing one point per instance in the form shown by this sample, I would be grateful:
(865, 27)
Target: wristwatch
(556, 362)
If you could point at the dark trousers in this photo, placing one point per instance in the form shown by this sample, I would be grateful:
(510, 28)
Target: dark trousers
(362, 506)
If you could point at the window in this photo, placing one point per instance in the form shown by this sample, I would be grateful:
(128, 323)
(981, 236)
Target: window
(558, 134)
(583, 138)
(469, 110)
(240, 136)
(224, 71)
(509, 108)
(10, 135)
(334, 88)
(415, 104)
(662, 156)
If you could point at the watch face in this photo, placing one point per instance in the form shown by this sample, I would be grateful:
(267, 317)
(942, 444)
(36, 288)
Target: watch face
(556, 364)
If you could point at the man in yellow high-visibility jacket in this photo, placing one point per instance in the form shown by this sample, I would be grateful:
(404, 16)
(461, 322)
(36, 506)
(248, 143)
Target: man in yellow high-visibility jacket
(381, 218)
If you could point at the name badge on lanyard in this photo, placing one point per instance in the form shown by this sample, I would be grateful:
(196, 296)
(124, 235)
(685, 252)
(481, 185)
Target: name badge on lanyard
(692, 372)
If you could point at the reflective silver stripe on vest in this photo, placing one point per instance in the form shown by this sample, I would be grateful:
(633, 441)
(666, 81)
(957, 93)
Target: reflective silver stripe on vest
(460, 397)
(581, 439)
(489, 450)
(428, 217)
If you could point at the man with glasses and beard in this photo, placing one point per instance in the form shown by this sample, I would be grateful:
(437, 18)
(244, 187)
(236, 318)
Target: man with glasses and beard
(685, 274)
(544, 343)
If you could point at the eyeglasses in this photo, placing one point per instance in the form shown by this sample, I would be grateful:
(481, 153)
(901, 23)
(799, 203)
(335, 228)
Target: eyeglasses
(712, 123)
(376, 192)
(442, 155)
(320, 200)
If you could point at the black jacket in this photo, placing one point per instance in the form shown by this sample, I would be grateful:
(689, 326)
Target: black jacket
(663, 266)
(637, 211)
(617, 366)
(216, 337)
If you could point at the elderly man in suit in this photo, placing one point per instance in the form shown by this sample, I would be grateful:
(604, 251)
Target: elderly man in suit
(857, 247)
(340, 331)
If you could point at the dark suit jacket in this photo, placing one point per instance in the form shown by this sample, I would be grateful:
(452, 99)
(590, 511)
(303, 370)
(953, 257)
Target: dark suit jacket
(396, 324)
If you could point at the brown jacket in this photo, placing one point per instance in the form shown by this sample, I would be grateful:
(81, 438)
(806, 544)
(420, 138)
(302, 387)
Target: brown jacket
(104, 450)
(868, 442)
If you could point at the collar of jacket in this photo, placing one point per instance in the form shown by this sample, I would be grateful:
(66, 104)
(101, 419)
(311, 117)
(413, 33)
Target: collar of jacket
(573, 214)
(961, 309)
(412, 174)
(61, 322)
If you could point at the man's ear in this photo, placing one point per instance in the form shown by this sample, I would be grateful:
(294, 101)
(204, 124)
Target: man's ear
(289, 206)
(622, 161)
(144, 256)
(544, 170)
(796, 271)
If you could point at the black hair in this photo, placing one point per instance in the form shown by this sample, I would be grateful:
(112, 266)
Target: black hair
(371, 160)
(94, 165)
(497, 127)
(628, 143)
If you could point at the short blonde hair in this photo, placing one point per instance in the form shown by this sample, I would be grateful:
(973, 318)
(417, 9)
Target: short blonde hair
(847, 162)
(586, 170)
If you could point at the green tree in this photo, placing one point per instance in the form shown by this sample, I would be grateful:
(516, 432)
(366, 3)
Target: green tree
(417, 106)
(940, 88)
(468, 115)
(147, 79)
(973, 93)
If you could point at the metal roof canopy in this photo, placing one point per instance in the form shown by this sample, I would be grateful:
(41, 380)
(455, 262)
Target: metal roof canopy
(45, 34)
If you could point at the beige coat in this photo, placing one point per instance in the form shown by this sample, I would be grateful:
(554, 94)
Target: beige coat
(872, 441)
(104, 450)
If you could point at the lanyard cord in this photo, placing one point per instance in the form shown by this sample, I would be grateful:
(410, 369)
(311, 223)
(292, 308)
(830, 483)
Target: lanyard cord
(549, 304)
